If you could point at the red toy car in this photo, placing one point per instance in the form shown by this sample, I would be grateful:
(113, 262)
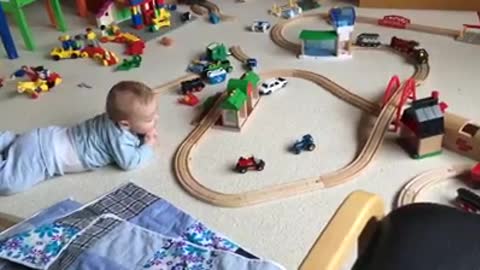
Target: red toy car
(189, 99)
(244, 164)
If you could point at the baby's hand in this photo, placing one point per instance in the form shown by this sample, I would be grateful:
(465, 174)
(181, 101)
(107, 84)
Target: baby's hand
(151, 137)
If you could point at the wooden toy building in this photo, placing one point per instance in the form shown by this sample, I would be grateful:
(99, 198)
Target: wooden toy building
(336, 42)
(243, 97)
(422, 128)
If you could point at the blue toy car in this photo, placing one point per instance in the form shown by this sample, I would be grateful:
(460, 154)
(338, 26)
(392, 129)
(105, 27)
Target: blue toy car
(306, 143)
(251, 63)
(214, 18)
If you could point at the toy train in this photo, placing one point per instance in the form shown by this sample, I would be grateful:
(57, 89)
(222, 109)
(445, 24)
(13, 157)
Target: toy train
(190, 86)
(408, 47)
(368, 40)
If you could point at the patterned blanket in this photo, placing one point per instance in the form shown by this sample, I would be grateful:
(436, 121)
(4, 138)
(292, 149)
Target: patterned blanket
(126, 229)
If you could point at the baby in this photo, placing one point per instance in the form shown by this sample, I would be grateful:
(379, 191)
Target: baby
(124, 135)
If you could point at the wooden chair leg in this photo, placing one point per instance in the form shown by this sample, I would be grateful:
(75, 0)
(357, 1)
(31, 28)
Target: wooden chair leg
(342, 233)
(59, 18)
(25, 30)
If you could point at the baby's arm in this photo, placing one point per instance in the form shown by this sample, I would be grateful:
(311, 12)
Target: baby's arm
(128, 155)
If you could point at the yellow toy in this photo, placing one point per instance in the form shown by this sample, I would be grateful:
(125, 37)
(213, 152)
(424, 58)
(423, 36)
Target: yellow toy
(163, 20)
(60, 53)
(33, 89)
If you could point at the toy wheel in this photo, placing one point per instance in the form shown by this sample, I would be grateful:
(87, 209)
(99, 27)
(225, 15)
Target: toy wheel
(242, 170)
(260, 166)
(34, 95)
(311, 147)
(56, 57)
(84, 55)
(269, 92)
(74, 56)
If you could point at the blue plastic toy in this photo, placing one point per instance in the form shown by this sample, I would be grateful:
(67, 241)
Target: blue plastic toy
(251, 63)
(213, 18)
(306, 143)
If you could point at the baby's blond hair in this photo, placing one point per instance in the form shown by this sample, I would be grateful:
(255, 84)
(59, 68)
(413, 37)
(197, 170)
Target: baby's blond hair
(124, 98)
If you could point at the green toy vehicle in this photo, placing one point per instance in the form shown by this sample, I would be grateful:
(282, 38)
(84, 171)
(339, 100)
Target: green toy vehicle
(225, 64)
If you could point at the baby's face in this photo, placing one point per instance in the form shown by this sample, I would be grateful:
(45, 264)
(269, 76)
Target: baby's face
(145, 118)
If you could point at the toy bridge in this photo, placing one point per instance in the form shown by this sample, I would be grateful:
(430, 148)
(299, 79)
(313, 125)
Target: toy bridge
(409, 91)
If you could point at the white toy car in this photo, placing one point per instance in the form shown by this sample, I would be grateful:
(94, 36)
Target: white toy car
(272, 85)
(260, 26)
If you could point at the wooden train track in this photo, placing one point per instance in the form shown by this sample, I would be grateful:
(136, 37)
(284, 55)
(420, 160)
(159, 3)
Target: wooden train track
(411, 191)
(278, 37)
(213, 8)
(238, 53)
(279, 191)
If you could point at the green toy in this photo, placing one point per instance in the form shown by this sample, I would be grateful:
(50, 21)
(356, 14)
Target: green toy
(129, 64)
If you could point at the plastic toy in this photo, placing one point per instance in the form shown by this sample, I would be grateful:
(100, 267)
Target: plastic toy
(134, 44)
(162, 20)
(187, 16)
(292, 12)
(306, 143)
(467, 200)
(60, 53)
(225, 64)
(394, 21)
(368, 40)
(272, 85)
(33, 89)
(189, 99)
(195, 85)
(68, 43)
(6, 36)
(250, 163)
(217, 52)
(216, 76)
(166, 41)
(198, 68)
(213, 18)
(260, 26)
(134, 62)
(251, 63)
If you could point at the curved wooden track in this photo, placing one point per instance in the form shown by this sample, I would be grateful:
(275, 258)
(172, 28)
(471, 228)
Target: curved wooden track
(411, 191)
(278, 191)
(238, 53)
(213, 8)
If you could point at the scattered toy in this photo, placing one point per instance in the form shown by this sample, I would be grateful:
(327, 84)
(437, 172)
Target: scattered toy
(260, 26)
(166, 41)
(61, 53)
(245, 164)
(251, 63)
(216, 76)
(214, 18)
(189, 99)
(162, 20)
(40, 80)
(368, 40)
(128, 64)
(187, 16)
(272, 85)
(306, 143)
(195, 85)
(467, 200)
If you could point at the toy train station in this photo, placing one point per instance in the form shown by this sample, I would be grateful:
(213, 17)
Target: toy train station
(337, 42)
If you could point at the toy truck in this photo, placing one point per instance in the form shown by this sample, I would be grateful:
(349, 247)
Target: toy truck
(225, 64)
(251, 63)
(216, 76)
(306, 143)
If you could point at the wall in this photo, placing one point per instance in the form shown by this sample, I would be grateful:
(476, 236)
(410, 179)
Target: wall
(423, 4)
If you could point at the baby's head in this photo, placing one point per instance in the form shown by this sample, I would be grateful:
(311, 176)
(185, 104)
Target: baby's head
(132, 105)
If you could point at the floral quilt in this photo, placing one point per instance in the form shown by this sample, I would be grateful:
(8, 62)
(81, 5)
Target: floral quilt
(126, 229)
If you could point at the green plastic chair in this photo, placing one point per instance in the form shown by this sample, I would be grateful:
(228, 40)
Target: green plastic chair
(15, 7)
